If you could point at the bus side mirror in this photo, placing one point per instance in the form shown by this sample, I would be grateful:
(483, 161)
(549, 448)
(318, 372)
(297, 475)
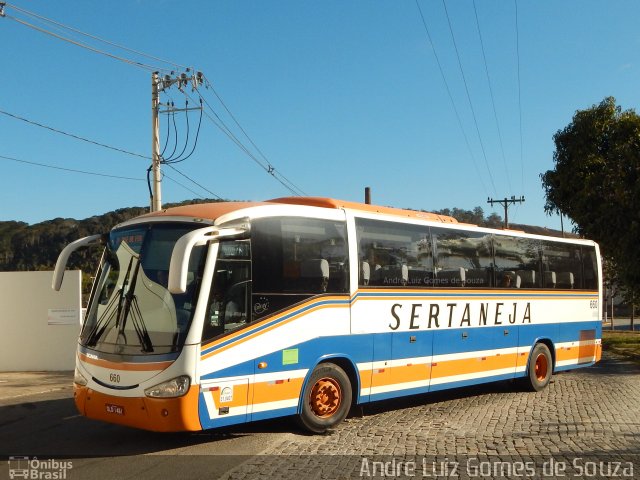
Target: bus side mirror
(179, 264)
(63, 258)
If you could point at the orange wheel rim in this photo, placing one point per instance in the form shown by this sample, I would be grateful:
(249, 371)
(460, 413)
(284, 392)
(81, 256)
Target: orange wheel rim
(542, 367)
(325, 397)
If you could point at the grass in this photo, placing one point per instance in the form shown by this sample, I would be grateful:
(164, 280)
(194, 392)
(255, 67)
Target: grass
(624, 343)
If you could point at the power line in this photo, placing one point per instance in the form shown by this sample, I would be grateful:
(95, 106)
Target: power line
(75, 30)
(182, 185)
(175, 133)
(70, 169)
(466, 87)
(269, 168)
(180, 158)
(515, 2)
(77, 137)
(210, 85)
(85, 46)
(493, 102)
(453, 103)
(193, 181)
(166, 140)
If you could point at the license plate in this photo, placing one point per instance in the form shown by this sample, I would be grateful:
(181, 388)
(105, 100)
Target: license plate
(115, 409)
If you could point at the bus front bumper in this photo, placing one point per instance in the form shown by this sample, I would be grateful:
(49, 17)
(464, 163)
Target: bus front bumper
(155, 414)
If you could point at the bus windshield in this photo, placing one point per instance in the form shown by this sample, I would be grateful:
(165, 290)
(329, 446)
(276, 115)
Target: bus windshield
(131, 312)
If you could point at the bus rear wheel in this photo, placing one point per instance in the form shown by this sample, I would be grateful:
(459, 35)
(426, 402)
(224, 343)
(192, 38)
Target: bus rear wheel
(540, 368)
(326, 399)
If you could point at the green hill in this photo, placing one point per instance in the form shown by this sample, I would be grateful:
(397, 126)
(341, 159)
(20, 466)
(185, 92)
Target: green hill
(26, 247)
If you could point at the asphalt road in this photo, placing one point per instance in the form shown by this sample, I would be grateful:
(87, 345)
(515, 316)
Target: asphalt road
(587, 413)
(38, 420)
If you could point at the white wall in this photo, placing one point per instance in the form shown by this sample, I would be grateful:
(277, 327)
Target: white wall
(39, 327)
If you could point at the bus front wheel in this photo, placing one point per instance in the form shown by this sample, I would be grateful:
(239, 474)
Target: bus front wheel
(540, 368)
(326, 399)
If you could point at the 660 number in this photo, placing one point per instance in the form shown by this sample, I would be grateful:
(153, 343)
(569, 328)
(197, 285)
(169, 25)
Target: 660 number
(114, 378)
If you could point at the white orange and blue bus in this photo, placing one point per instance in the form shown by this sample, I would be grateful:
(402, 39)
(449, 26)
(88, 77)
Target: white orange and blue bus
(209, 315)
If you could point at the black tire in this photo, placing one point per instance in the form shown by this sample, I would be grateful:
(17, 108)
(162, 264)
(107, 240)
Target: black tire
(326, 399)
(540, 368)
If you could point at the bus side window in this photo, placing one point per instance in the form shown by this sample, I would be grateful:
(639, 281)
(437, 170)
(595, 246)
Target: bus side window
(229, 302)
(393, 254)
(295, 258)
(564, 262)
(462, 258)
(517, 261)
(590, 268)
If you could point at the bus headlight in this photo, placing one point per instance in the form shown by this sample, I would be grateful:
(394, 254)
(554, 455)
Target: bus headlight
(176, 387)
(79, 379)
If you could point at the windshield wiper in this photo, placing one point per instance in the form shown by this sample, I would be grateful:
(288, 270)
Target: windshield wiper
(130, 301)
(102, 323)
(105, 319)
(122, 296)
(141, 328)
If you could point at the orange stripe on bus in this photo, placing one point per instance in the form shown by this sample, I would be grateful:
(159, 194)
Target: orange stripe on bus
(449, 368)
(264, 392)
(473, 365)
(582, 351)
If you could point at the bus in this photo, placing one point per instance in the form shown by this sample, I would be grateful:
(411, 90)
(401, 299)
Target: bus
(209, 315)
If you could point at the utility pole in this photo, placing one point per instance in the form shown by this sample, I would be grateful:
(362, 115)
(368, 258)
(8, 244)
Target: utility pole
(505, 202)
(156, 196)
(159, 84)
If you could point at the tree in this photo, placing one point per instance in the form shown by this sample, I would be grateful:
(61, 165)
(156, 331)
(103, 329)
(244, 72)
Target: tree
(475, 216)
(596, 182)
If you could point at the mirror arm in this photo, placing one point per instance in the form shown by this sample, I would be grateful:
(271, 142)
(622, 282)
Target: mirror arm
(63, 258)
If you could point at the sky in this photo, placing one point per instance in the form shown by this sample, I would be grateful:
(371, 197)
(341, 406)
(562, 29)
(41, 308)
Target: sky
(335, 96)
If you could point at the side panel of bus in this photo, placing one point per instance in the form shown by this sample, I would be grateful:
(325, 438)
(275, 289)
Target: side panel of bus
(300, 316)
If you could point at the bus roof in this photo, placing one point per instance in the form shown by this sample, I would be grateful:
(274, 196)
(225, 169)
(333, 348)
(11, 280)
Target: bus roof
(217, 209)
(342, 204)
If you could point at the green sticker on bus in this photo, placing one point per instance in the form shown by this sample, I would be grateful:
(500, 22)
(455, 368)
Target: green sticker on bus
(290, 357)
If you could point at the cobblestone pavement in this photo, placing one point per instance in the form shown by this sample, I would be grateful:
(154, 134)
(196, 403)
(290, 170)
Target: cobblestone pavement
(588, 420)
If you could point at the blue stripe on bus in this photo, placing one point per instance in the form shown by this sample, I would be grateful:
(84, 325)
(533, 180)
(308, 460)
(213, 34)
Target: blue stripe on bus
(573, 366)
(470, 382)
(238, 370)
(280, 412)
